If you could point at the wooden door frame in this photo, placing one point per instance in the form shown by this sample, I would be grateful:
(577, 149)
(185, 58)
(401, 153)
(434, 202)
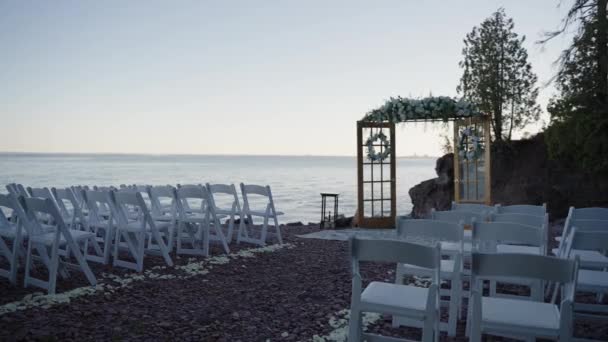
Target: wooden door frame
(376, 222)
(485, 121)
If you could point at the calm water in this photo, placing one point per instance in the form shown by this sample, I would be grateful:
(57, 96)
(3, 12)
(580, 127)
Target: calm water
(295, 181)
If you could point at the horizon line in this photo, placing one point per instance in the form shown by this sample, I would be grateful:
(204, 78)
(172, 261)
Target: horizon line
(201, 154)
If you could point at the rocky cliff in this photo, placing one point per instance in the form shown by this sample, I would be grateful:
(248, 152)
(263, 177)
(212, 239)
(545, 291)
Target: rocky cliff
(521, 173)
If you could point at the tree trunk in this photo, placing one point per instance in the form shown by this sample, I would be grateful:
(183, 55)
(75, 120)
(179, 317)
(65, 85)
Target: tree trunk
(602, 49)
(512, 115)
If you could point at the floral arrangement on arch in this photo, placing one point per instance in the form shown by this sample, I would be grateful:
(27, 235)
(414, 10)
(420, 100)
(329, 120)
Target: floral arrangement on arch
(399, 109)
(469, 144)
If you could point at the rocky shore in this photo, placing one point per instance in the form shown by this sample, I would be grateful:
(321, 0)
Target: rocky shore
(298, 292)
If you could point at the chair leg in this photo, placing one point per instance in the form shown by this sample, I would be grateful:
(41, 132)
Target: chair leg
(162, 246)
(84, 266)
(205, 240)
(455, 285)
(15, 261)
(278, 230)
(264, 231)
(475, 317)
(107, 245)
(398, 280)
(28, 263)
(355, 327)
(53, 269)
(141, 246)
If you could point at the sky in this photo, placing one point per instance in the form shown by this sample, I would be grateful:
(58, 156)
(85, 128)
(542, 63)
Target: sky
(236, 77)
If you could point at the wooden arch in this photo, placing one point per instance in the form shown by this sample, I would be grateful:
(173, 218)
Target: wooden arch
(376, 179)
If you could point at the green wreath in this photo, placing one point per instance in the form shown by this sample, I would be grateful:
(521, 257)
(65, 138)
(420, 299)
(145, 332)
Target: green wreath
(469, 144)
(371, 151)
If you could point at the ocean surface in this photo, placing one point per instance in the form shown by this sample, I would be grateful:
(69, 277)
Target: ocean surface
(296, 181)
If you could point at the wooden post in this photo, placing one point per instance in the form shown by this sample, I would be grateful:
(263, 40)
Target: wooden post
(488, 160)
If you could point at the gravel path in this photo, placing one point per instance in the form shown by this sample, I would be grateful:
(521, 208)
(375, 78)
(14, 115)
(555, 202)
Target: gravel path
(291, 294)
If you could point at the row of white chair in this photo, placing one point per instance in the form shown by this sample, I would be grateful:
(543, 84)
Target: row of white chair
(95, 225)
(495, 237)
(512, 234)
(420, 307)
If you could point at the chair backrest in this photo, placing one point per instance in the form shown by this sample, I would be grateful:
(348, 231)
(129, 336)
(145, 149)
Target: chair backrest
(36, 207)
(224, 189)
(528, 209)
(589, 225)
(6, 208)
(77, 190)
(547, 268)
(472, 207)
(40, 192)
(103, 188)
(126, 202)
(488, 234)
(440, 230)
(66, 201)
(12, 189)
(99, 204)
(587, 240)
(539, 221)
(17, 190)
(252, 189)
(160, 194)
(9, 207)
(70, 209)
(394, 251)
(186, 193)
(593, 213)
(466, 217)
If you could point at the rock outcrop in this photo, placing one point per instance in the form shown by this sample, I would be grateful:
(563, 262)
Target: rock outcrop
(437, 192)
(521, 173)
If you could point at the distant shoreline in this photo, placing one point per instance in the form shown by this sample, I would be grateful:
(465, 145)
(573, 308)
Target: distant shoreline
(62, 154)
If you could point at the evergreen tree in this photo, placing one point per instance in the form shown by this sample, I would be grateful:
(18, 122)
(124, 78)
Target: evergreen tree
(497, 75)
(579, 114)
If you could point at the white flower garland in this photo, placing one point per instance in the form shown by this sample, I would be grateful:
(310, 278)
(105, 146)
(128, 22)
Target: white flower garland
(371, 151)
(469, 144)
(429, 108)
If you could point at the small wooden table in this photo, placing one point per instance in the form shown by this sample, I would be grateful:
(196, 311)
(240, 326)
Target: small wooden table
(327, 218)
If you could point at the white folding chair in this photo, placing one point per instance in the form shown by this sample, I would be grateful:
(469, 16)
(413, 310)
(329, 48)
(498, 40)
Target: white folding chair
(221, 191)
(53, 247)
(246, 233)
(100, 221)
(135, 233)
(194, 226)
(593, 277)
(527, 209)
(163, 200)
(541, 222)
(582, 214)
(586, 223)
(11, 236)
(69, 208)
(511, 238)
(418, 305)
(451, 264)
(472, 207)
(515, 318)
